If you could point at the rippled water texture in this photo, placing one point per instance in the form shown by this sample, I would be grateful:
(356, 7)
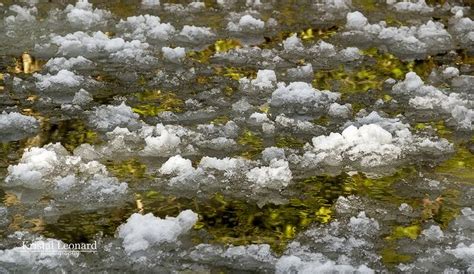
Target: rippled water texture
(237, 136)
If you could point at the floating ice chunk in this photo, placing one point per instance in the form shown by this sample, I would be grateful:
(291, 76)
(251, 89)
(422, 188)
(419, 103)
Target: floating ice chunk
(392, 125)
(450, 72)
(102, 187)
(108, 117)
(463, 252)
(41, 257)
(405, 208)
(411, 83)
(49, 169)
(429, 97)
(246, 23)
(193, 33)
(293, 43)
(435, 34)
(305, 71)
(433, 233)
(61, 63)
(277, 175)
(174, 55)
(23, 15)
(176, 165)
(97, 44)
(463, 27)
(337, 4)
(146, 26)
(324, 49)
(82, 97)
(150, 3)
(34, 164)
(224, 164)
(241, 106)
(301, 94)
(164, 144)
(219, 143)
(407, 42)
(143, 231)
(249, 257)
(85, 16)
(362, 224)
(63, 79)
(270, 153)
(342, 111)
(294, 264)
(15, 126)
(350, 54)
(369, 144)
(259, 117)
(356, 20)
(266, 78)
(196, 6)
(294, 124)
(417, 6)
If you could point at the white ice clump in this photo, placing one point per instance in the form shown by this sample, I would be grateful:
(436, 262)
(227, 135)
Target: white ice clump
(61, 63)
(23, 15)
(150, 3)
(450, 72)
(15, 126)
(342, 238)
(108, 117)
(464, 252)
(266, 78)
(356, 20)
(277, 175)
(53, 170)
(82, 97)
(182, 170)
(370, 141)
(196, 34)
(341, 111)
(301, 96)
(39, 259)
(63, 79)
(294, 264)
(416, 6)
(224, 164)
(164, 144)
(141, 232)
(174, 55)
(247, 23)
(305, 71)
(427, 97)
(463, 28)
(405, 41)
(99, 44)
(145, 27)
(369, 144)
(433, 233)
(293, 43)
(85, 16)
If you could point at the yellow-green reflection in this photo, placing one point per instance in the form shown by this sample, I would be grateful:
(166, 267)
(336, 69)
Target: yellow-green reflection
(460, 166)
(26, 64)
(289, 141)
(129, 170)
(253, 144)
(227, 220)
(362, 79)
(153, 102)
